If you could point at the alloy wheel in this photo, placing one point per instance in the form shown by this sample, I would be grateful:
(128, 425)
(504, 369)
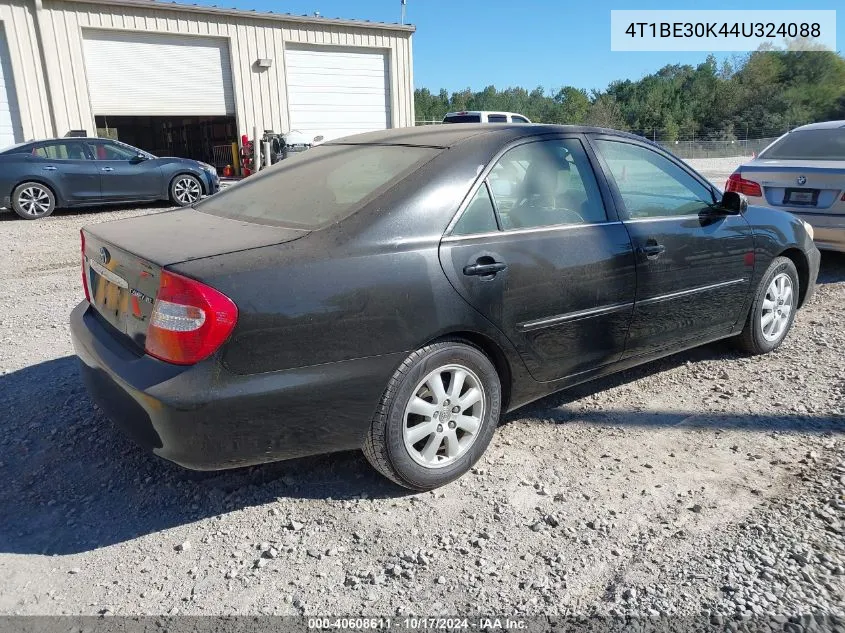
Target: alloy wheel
(444, 416)
(777, 307)
(34, 200)
(187, 191)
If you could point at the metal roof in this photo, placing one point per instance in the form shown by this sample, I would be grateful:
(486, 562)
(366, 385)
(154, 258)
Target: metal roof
(822, 125)
(262, 15)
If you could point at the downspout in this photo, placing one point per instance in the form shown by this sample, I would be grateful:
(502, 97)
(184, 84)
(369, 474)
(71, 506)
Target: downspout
(45, 67)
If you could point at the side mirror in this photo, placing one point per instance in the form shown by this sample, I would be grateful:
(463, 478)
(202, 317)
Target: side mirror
(138, 158)
(734, 202)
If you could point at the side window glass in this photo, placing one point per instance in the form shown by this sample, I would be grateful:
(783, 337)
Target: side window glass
(497, 118)
(546, 183)
(651, 185)
(518, 119)
(61, 151)
(111, 151)
(479, 216)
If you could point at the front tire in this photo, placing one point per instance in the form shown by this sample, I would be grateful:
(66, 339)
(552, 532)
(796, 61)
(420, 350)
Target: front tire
(32, 200)
(773, 310)
(185, 190)
(436, 417)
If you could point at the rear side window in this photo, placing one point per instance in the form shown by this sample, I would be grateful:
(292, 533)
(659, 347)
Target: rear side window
(463, 118)
(519, 119)
(318, 187)
(809, 145)
(479, 216)
(63, 150)
(497, 118)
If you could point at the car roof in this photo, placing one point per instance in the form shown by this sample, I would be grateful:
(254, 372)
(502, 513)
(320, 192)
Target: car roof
(459, 112)
(445, 136)
(822, 125)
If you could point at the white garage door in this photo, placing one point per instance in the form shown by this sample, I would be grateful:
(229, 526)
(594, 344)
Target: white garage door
(158, 75)
(337, 92)
(10, 132)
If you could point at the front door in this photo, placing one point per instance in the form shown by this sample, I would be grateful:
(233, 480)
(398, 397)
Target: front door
(122, 175)
(694, 266)
(536, 252)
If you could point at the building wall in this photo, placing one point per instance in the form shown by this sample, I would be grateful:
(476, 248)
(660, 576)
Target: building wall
(56, 74)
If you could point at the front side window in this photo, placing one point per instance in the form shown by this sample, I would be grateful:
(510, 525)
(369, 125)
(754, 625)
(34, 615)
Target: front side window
(546, 183)
(323, 185)
(112, 151)
(651, 185)
(61, 150)
(518, 119)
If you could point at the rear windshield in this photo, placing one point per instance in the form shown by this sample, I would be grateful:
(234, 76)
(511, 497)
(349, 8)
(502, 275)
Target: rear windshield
(463, 118)
(809, 145)
(318, 187)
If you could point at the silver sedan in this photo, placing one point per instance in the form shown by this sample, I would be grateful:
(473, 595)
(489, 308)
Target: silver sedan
(802, 172)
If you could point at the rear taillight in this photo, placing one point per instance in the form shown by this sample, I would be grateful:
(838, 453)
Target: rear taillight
(189, 322)
(84, 274)
(739, 184)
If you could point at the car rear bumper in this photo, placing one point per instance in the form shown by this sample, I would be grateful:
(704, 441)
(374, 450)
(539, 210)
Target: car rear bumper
(204, 417)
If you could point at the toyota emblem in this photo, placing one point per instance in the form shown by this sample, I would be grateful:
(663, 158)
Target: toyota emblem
(105, 256)
(802, 180)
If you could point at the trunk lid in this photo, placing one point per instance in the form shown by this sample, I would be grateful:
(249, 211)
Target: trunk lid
(799, 185)
(122, 260)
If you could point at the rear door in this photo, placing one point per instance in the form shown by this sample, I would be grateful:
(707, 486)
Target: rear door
(122, 175)
(536, 251)
(67, 164)
(694, 267)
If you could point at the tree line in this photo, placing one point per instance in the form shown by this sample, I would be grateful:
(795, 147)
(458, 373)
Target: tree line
(761, 94)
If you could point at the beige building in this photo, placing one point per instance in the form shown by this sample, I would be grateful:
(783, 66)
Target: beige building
(181, 79)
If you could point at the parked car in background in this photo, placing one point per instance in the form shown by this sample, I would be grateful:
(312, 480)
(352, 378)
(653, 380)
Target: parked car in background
(802, 172)
(384, 292)
(38, 177)
(479, 116)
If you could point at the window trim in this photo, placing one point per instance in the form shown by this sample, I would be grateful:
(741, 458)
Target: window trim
(623, 212)
(38, 145)
(606, 194)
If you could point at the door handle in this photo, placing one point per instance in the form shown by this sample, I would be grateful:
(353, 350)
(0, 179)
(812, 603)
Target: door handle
(483, 269)
(106, 168)
(49, 168)
(652, 251)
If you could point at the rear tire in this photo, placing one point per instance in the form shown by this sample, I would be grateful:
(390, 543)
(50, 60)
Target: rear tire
(423, 435)
(32, 200)
(773, 310)
(185, 190)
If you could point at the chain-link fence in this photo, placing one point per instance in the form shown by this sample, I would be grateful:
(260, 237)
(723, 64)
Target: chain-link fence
(717, 149)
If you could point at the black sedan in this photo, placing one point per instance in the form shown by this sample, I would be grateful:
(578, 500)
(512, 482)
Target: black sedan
(38, 177)
(398, 291)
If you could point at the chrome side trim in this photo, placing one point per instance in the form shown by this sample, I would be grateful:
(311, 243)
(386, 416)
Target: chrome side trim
(573, 316)
(691, 291)
(539, 229)
(665, 218)
(101, 270)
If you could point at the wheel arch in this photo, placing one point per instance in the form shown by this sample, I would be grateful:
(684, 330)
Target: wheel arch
(186, 172)
(802, 265)
(60, 201)
(492, 350)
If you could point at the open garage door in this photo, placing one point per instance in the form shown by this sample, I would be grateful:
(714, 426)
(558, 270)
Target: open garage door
(154, 74)
(337, 92)
(10, 122)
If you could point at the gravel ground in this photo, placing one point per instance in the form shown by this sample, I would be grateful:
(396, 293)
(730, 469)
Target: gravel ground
(705, 482)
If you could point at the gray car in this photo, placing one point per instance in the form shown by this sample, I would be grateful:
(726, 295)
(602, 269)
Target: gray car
(802, 172)
(39, 176)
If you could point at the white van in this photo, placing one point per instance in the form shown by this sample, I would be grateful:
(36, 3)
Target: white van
(483, 116)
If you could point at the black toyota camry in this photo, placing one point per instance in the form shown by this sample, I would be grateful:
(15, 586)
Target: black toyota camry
(40, 176)
(398, 291)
